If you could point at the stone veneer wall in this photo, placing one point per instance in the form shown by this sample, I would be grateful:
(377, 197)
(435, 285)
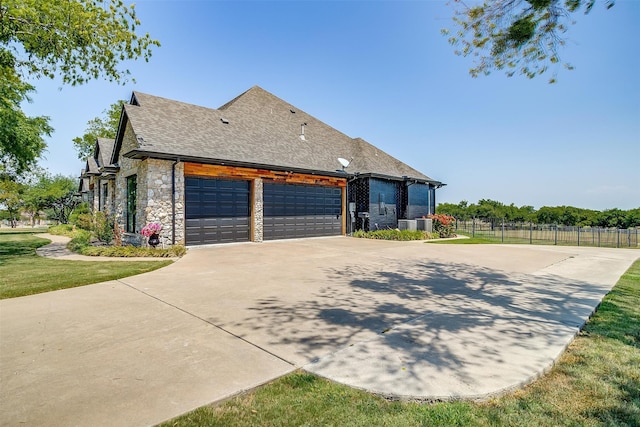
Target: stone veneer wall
(157, 192)
(94, 201)
(128, 167)
(153, 198)
(111, 199)
(258, 210)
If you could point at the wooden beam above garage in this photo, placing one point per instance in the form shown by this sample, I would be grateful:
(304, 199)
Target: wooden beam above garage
(218, 171)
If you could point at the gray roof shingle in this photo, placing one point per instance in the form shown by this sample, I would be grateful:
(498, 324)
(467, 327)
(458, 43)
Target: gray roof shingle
(103, 151)
(255, 128)
(91, 167)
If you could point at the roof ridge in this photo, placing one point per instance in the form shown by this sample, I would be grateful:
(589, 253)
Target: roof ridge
(162, 98)
(251, 89)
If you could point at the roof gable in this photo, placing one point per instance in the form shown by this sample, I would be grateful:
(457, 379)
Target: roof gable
(103, 151)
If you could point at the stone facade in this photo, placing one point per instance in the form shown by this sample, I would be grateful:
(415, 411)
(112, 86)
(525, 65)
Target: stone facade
(258, 210)
(154, 202)
(110, 203)
(94, 201)
(128, 167)
(156, 190)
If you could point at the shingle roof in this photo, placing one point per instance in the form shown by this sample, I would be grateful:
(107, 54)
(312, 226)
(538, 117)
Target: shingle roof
(91, 167)
(103, 151)
(255, 128)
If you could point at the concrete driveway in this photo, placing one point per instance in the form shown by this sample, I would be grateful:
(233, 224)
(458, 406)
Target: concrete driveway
(409, 320)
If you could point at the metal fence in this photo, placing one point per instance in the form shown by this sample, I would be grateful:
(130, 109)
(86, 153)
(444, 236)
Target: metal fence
(551, 234)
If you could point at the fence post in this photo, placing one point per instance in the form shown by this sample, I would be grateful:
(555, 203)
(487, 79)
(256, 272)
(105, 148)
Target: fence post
(618, 238)
(473, 227)
(530, 233)
(578, 236)
(502, 237)
(598, 236)
(555, 240)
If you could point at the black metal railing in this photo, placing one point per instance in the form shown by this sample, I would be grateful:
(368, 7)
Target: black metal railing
(550, 234)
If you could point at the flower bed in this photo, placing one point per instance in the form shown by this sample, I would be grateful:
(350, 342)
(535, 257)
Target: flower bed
(395, 234)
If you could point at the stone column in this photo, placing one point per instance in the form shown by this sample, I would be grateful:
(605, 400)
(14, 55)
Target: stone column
(257, 210)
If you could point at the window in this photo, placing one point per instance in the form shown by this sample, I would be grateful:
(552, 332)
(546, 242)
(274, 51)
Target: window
(103, 197)
(132, 184)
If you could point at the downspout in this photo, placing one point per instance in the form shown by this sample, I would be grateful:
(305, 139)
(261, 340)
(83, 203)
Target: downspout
(173, 201)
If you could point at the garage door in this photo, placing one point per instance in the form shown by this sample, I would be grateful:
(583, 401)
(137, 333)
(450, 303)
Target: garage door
(292, 211)
(217, 211)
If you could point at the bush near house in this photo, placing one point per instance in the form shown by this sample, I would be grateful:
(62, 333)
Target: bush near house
(132, 251)
(98, 223)
(81, 243)
(395, 234)
(443, 225)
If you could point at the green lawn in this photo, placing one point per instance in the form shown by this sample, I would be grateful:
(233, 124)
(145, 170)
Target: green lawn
(595, 383)
(27, 230)
(469, 241)
(23, 272)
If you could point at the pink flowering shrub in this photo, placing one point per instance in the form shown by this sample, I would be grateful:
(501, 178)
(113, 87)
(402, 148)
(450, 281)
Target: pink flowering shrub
(150, 229)
(443, 225)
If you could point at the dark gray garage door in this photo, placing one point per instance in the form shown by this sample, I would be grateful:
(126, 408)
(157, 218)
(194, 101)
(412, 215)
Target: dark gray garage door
(292, 210)
(217, 211)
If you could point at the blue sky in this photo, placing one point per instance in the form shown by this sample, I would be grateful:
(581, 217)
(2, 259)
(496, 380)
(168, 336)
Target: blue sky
(382, 71)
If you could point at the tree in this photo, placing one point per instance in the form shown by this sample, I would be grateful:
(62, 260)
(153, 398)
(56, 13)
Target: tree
(99, 127)
(613, 218)
(58, 195)
(459, 211)
(489, 210)
(21, 137)
(633, 218)
(78, 40)
(33, 202)
(519, 214)
(522, 36)
(11, 200)
(548, 215)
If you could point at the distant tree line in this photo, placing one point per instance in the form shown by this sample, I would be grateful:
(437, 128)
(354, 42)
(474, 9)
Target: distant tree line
(495, 212)
(38, 195)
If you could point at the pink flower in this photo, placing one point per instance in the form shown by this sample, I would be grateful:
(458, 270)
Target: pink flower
(150, 229)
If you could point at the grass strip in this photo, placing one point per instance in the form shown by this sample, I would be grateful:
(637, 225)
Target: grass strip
(595, 383)
(23, 272)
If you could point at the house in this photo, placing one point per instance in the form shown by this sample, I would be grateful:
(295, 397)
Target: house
(97, 185)
(257, 168)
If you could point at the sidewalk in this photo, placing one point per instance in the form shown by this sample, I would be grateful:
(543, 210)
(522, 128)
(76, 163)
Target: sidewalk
(58, 249)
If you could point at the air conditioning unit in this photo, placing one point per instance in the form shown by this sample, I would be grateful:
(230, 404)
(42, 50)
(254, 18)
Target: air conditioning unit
(407, 224)
(424, 224)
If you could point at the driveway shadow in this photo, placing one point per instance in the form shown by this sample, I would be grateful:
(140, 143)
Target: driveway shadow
(445, 313)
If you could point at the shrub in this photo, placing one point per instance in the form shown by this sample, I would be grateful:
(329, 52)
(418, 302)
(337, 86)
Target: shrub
(81, 209)
(61, 230)
(83, 221)
(132, 251)
(443, 225)
(80, 239)
(102, 227)
(393, 234)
